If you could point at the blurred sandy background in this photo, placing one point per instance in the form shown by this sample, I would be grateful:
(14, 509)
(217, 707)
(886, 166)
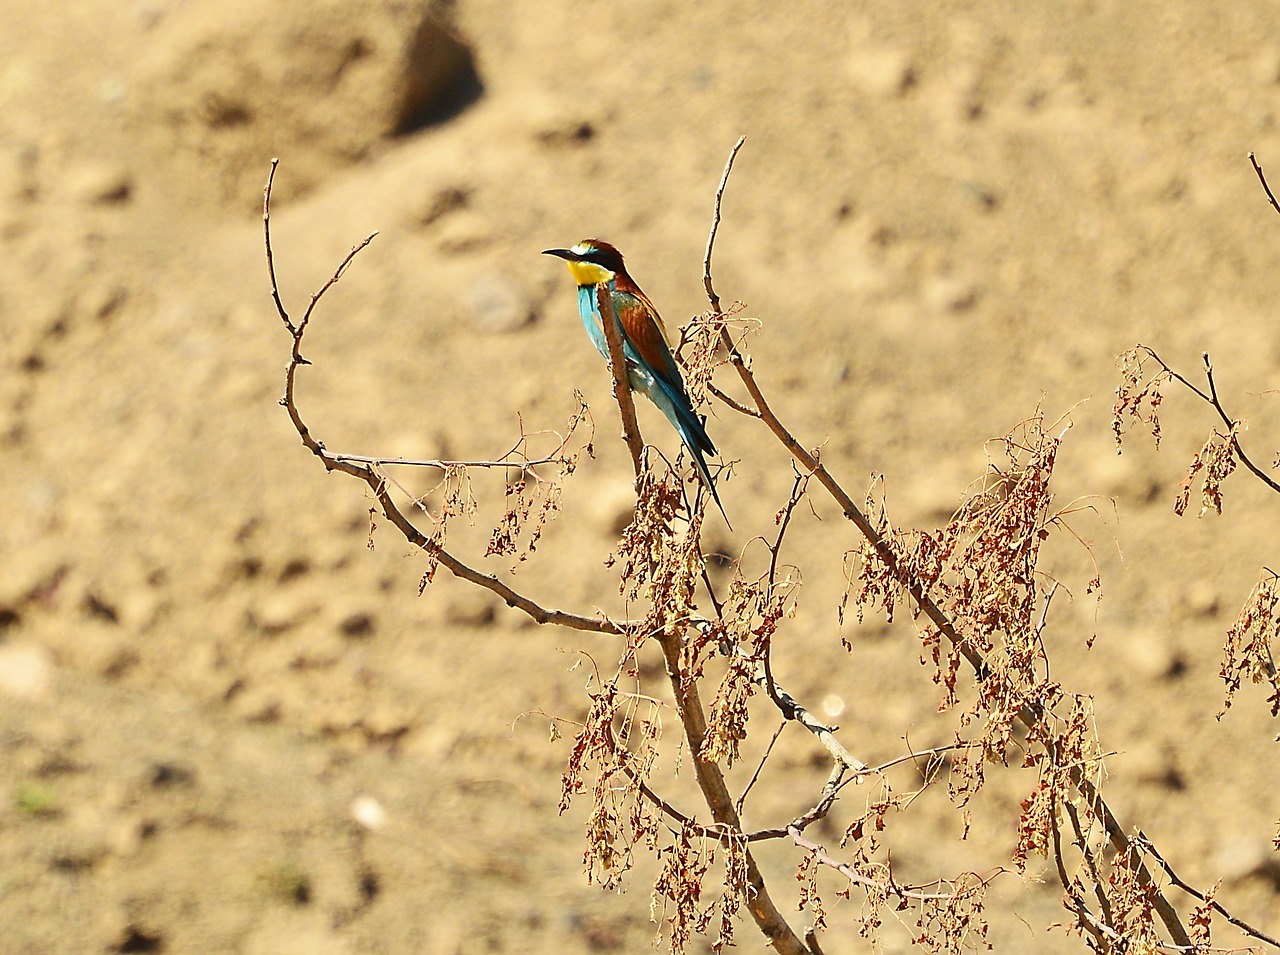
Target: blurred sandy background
(944, 215)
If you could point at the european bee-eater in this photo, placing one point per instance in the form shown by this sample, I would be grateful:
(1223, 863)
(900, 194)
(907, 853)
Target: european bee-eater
(651, 368)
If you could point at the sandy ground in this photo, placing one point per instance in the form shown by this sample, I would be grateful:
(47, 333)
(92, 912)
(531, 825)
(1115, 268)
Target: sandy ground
(945, 215)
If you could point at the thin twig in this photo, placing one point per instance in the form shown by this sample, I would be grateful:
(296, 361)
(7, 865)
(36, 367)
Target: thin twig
(647, 792)
(914, 755)
(1087, 853)
(914, 893)
(1263, 179)
(756, 775)
(837, 783)
(798, 490)
(733, 402)
(266, 229)
(1084, 918)
(504, 460)
(1038, 633)
(1211, 398)
(1146, 845)
(784, 521)
(715, 226)
(442, 464)
(827, 798)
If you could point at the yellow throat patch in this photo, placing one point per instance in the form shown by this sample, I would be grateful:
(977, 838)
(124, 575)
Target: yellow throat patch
(588, 273)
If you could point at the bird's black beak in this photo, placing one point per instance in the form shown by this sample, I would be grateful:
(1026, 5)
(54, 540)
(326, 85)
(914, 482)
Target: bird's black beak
(567, 254)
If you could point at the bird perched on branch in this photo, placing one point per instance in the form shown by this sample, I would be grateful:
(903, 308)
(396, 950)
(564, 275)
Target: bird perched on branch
(646, 346)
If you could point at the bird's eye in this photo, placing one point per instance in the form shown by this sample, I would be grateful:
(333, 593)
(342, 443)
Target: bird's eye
(601, 258)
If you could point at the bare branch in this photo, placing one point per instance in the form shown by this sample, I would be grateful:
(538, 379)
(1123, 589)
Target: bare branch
(621, 381)
(733, 402)
(1146, 845)
(1211, 398)
(715, 225)
(1263, 179)
(914, 893)
(763, 759)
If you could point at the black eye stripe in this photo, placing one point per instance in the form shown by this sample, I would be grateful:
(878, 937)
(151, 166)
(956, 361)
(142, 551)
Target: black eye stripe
(602, 258)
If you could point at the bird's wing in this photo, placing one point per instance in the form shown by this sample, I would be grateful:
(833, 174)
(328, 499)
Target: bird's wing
(643, 328)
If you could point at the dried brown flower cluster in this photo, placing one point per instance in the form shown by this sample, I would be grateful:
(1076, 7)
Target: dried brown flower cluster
(1247, 647)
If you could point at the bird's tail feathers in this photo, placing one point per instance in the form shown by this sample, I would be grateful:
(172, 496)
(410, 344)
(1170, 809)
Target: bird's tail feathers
(693, 433)
(700, 465)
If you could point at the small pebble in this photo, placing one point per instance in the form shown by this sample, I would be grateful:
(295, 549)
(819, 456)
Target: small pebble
(613, 506)
(883, 73)
(100, 184)
(282, 611)
(368, 812)
(495, 304)
(1239, 859)
(470, 608)
(26, 671)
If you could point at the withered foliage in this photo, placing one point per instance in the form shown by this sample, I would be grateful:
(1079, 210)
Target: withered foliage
(616, 746)
(658, 556)
(1131, 904)
(810, 898)
(1201, 920)
(1213, 464)
(1247, 651)
(678, 891)
(453, 498)
(920, 555)
(743, 631)
(1061, 750)
(953, 920)
(532, 499)
(1247, 645)
(981, 568)
(699, 345)
(943, 916)
(1138, 396)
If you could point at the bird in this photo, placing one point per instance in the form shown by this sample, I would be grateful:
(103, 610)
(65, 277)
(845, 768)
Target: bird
(646, 345)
